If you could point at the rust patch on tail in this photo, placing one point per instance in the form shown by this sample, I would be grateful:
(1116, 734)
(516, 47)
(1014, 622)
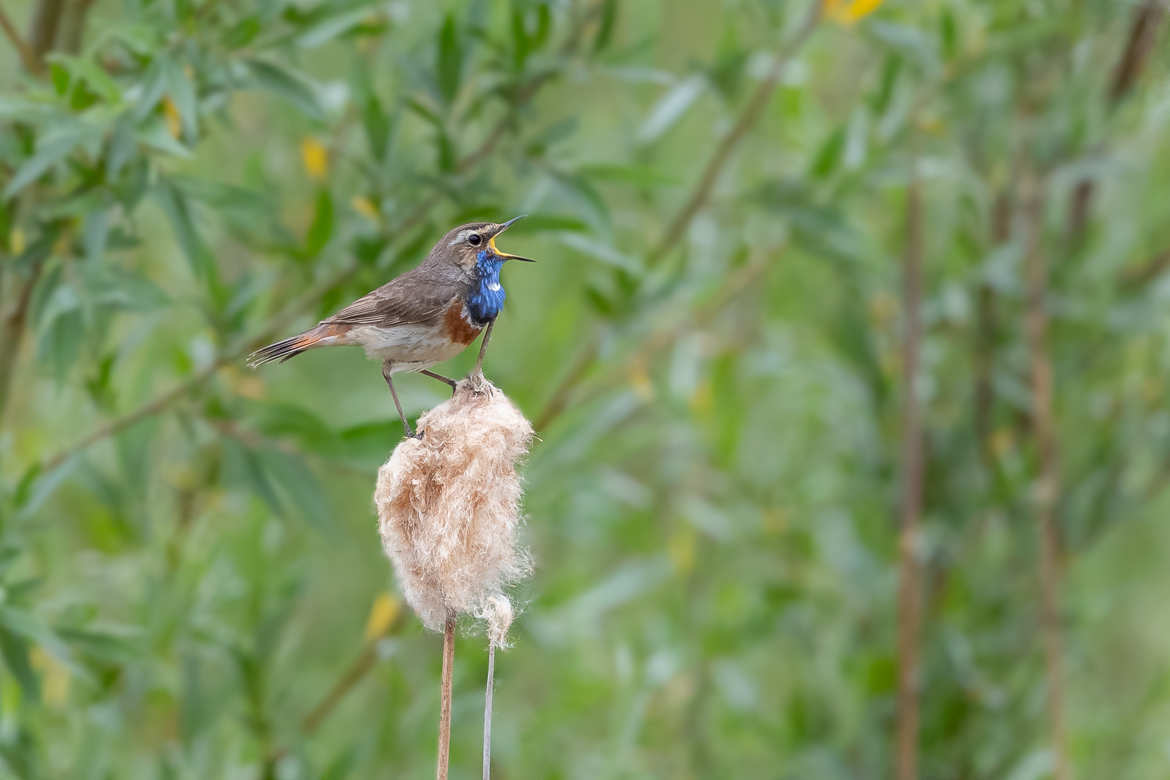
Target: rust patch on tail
(295, 345)
(311, 337)
(458, 327)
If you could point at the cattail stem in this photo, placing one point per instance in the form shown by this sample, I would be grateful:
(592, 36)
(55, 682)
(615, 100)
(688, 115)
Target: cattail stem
(487, 711)
(445, 697)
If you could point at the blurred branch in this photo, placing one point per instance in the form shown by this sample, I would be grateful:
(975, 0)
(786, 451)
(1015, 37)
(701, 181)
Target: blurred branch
(677, 227)
(42, 36)
(119, 424)
(655, 342)
(909, 572)
(560, 396)
(736, 283)
(27, 57)
(345, 683)
(282, 319)
(353, 674)
(985, 332)
(73, 30)
(256, 441)
(349, 678)
(13, 334)
(1133, 278)
(365, 662)
(43, 31)
(750, 114)
(1080, 202)
(1142, 33)
(233, 354)
(1159, 482)
(1047, 485)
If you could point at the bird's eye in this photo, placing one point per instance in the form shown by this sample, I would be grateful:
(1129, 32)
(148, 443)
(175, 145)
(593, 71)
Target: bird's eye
(475, 239)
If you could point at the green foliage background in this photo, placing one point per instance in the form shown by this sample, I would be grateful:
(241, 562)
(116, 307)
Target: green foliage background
(189, 556)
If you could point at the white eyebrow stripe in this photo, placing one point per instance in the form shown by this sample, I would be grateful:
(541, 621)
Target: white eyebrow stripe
(459, 238)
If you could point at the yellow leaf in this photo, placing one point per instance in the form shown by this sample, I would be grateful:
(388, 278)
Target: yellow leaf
(383, 613)
(682, 547)
(174, 118)
(849, 11)
(63, 242)
(775, 520)
(247, 384)
(930, 123)
(182, 478)
(315, 158)
(54, 676)
(703, 399)
(365, 207)
(1001, 442)
(883, 308)
(641, 382)
(16, 241)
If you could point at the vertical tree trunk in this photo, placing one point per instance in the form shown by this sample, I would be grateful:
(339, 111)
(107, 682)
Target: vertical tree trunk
(1046, 487)
(909, 586)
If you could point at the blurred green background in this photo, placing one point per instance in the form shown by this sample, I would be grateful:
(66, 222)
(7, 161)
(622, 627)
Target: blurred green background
(727, 204)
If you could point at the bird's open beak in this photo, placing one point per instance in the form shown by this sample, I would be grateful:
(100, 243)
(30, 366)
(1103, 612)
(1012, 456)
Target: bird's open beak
(505, 255)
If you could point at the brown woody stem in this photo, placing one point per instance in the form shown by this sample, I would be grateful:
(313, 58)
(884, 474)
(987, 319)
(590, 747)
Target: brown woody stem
(1047, 484)
(27, 57)
(909, 570)
(445, 698)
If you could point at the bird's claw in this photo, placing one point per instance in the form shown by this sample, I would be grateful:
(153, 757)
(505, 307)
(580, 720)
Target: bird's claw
(478, 383)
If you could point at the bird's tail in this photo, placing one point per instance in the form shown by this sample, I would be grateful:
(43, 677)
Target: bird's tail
(291, 347)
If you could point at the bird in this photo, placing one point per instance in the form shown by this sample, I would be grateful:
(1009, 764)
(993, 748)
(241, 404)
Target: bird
(425, 316)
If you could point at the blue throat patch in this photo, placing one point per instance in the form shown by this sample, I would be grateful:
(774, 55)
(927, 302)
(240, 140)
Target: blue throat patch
(487, 298)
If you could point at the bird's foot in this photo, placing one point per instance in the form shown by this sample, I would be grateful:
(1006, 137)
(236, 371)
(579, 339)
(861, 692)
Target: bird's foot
(478, 383)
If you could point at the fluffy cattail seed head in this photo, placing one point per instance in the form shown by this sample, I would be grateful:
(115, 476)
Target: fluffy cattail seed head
(449, 508)
(497, 613)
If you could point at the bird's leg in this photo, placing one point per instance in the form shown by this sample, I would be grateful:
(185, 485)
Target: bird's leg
(487, 334)
(397, 404)
(444, 379)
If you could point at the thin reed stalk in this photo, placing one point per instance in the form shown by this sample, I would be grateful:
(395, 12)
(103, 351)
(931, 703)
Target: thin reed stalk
(487, 712)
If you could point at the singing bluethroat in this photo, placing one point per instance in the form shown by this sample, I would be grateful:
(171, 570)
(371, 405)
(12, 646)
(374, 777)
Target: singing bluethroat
(423, 317)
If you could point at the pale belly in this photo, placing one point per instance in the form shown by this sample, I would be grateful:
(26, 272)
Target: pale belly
(405, 347)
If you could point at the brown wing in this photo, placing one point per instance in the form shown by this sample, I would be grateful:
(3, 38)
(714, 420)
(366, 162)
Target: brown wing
(409, 299)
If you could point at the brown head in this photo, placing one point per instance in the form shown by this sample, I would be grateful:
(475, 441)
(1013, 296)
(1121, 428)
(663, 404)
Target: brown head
(464, 245)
